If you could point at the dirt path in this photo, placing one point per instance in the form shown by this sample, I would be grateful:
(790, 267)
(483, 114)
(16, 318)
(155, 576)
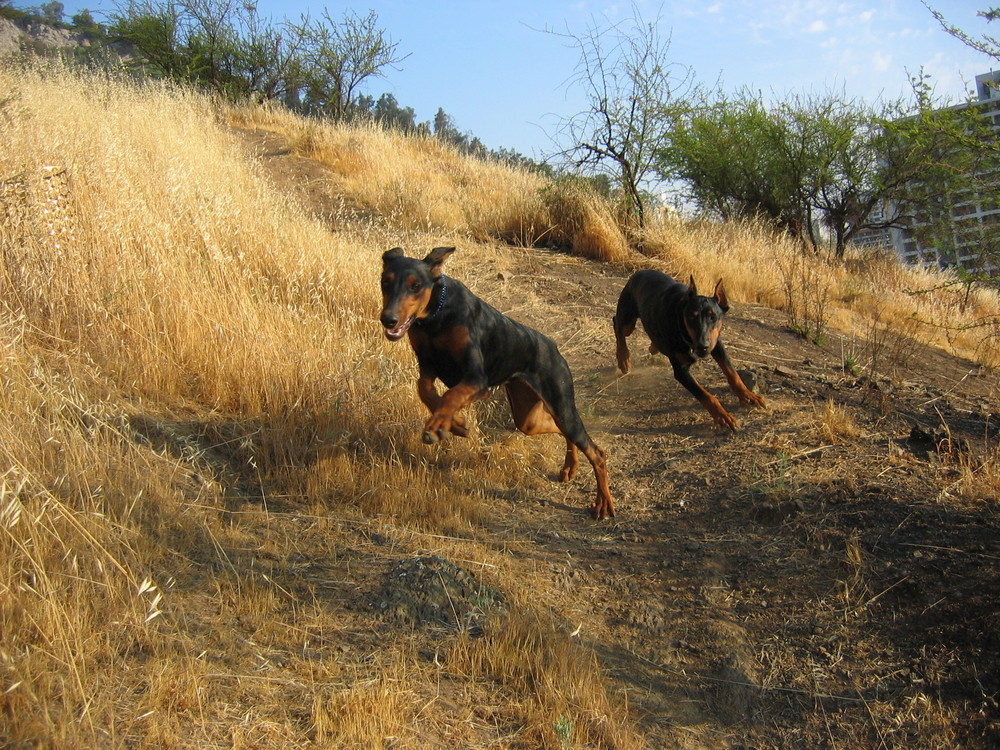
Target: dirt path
(816, 579)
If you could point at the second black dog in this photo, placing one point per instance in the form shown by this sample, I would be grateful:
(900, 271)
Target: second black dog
(683, 325)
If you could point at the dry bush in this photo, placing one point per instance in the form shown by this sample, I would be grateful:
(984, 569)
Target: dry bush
(745, 255)
(365, 711)
(835, 423)
(420, 183)
(806, 290)
(921, 305)
(889, 344)
(978, 476)
(581, 221)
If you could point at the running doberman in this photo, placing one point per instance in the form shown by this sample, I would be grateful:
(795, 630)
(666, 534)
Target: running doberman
(683, 325)
(472, 347)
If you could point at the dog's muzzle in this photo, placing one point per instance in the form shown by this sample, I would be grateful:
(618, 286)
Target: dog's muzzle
(394, 330)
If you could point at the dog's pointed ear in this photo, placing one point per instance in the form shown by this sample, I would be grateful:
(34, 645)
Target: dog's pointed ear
(396, 252)
(436, 258)
(720, 296)
(692, 289)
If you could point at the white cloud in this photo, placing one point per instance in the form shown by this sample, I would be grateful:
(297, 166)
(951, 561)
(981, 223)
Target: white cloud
(867, 16)
(817, 27)
(881, 61)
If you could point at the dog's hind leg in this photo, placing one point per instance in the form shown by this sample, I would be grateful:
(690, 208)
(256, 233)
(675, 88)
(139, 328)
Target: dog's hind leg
(604, 504)
(556, 411)
(557, 390)
(572, 461)
(624, 324)
(533, 417)
(531, 414)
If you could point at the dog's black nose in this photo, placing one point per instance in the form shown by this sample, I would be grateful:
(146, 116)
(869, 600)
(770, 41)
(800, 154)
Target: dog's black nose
(701, 351)
(389, 320)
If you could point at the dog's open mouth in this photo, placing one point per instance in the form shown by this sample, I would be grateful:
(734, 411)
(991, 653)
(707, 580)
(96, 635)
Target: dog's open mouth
(395, 334)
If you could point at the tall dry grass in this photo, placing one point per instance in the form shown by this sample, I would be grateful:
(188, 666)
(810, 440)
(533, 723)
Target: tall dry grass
(422, 184)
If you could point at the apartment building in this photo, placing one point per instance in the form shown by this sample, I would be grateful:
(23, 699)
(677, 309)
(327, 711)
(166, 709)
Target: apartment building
(970, 214)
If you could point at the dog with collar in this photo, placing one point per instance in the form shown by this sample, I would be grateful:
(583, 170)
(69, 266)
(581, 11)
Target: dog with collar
(471, 347)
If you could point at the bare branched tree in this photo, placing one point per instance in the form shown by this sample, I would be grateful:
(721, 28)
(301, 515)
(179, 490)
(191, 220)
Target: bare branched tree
(629, 83)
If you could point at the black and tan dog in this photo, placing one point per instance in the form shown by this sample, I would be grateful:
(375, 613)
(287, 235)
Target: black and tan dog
(472, 347)
(683, 325)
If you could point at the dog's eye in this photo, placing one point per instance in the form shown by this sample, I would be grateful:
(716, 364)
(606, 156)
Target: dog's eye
(416, 286)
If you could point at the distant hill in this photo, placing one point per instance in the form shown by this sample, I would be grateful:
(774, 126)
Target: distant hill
(15, 36)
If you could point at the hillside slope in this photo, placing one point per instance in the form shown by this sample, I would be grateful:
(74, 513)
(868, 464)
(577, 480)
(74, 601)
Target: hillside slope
(219, 526)
(827, 576)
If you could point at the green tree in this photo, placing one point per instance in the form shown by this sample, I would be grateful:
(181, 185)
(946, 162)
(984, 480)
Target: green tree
(153, 29)
(819, 160)
(388, 111)
(84, 21)
(443, 123)
(227, 46)
(740, 159)
(985, 43)
(848, 175)
(339, 57)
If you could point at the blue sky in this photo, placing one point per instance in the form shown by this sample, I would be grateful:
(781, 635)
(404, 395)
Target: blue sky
(492, 67)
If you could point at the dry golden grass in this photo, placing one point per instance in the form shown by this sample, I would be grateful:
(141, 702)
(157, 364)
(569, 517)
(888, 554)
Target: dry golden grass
(835, 423)
(551, 680)
(177, 336)
(421, 184)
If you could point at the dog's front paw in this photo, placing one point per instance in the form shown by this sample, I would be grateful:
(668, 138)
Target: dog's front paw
(440, 426)
(724, 420)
